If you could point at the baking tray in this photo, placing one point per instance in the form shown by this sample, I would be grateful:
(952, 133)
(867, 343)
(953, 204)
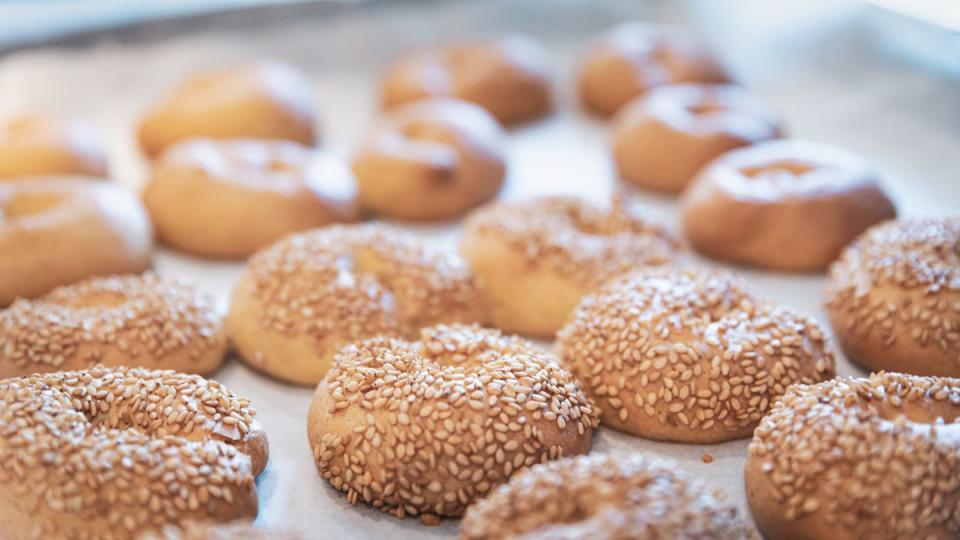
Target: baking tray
(827, 81)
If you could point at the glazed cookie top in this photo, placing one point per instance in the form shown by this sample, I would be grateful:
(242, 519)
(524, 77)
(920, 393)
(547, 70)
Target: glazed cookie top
(574, 237)
(139, 315)
(606, 497)
(113, 441)
(884, 446)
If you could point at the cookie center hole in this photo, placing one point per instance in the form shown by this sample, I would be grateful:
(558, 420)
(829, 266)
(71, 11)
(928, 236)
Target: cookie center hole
(662, 54)
(281, 166)
(28, 204)
(778, 170)
(704, 108)
(426, 131)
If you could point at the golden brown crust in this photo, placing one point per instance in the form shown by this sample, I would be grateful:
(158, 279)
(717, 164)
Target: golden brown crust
(859, 458)
(306, 295)
(426, 427)
(506, 76)
(38, 145)
(787, 205)
(688, 355)
(662, 139)
(894, 297)
(230, 198)
(535, 259)
(145, 320)
(112, 452)
(605, 497)
(264, 99)
(55, 231)
(633, 57)
(431, 159)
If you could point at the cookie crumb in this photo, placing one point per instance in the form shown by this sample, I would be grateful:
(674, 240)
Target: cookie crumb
(706, 458)
(429, 519)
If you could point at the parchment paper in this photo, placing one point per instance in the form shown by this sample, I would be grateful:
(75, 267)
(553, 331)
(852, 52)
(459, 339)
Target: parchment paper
(817, 64)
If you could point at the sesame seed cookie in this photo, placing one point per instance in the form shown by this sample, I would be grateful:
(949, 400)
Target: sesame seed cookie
(894, 297)
(689, 355)
(605, 497)
(425, 427)
(307, 295)
(856, 458)
(144, 320)
(109, 453)
(535, 259)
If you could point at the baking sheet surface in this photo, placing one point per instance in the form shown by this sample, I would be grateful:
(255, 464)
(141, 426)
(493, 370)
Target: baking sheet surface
(828, 81)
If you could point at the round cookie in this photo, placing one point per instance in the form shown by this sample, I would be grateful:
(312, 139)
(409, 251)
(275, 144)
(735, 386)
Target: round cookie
(688, 355)
(39, 145)
(893, 297)
(264, 99)
(507, 76)
(143, 320)
(115, 452)
(432, 159)
(785, 205)
(230, 198)
(56, 231)
(307, 295)
(535, 259)
(663, 138)
(859, 458)
(605, 497)
(425, 427)
(633, 57)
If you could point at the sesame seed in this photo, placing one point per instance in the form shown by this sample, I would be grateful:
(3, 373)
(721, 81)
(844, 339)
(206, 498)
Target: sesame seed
(696, 344)
(360, 281)
(578, 240)
(605, 496)
(843, 449)
(906, 274)
(147, 320)
(92, 442)
(453, 453)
